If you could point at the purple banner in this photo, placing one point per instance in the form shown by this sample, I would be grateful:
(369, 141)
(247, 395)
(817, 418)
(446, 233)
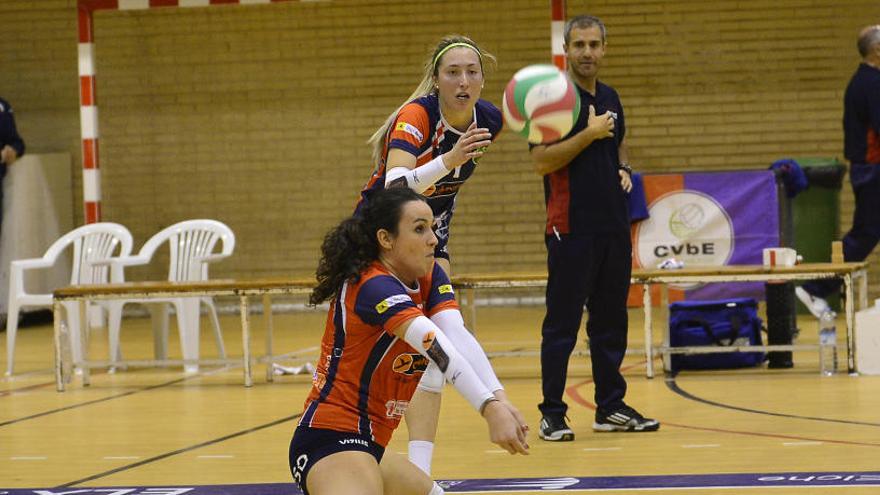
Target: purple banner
(708, 219)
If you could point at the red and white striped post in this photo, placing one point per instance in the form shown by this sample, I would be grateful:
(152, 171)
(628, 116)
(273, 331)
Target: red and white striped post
(557, 31)
(88, 112)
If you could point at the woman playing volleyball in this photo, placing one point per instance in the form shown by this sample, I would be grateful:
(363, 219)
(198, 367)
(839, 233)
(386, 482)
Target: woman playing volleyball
(384, 286)
(431, 144)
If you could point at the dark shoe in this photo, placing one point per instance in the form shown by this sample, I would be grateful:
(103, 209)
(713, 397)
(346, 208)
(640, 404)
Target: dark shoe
(554, 429)
(623, 419)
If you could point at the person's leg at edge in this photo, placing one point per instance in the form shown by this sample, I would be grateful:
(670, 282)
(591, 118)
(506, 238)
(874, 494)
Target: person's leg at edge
(862, 238)
(350, 472)
(423, 414)
(607, 329)
(401, 477)
(567, 280)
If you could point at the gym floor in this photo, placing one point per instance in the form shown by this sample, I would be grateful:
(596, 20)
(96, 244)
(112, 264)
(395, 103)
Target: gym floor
(159, 431)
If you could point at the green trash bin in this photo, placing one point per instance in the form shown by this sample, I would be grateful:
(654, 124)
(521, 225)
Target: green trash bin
(816, 212)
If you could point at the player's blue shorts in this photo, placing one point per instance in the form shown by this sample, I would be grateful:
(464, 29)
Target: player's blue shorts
(310, 445)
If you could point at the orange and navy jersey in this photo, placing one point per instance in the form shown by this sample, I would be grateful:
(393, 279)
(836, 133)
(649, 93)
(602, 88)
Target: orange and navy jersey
(366, 375)
(421, 131)
(584, 197)
(861, 117)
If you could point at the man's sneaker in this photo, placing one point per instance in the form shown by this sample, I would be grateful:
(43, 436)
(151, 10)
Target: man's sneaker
(815, 304)
(623, 419)
(554, 429)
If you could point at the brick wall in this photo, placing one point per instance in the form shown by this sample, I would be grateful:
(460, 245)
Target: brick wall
(258, 115)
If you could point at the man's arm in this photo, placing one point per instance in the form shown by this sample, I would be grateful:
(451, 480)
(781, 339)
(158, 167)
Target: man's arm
(550, 158)
(624, 172)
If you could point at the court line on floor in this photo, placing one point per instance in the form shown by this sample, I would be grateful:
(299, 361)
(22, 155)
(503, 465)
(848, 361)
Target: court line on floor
(95, 401)
(575, 395)
(6, 393)
(179, 451)
(673, 385)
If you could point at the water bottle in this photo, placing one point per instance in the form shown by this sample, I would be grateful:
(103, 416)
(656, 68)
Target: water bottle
(827, 343)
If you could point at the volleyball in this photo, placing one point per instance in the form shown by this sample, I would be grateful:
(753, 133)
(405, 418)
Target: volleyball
(541, 103)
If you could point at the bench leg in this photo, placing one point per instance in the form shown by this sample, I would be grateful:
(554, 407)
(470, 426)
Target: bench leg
(246, 340)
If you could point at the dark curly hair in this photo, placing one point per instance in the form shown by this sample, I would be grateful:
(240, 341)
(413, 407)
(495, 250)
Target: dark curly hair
(352, 245)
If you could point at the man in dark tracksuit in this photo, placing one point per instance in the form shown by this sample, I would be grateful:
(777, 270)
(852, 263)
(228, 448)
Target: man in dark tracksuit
(861, 147)
(589, 252)
(11, 144)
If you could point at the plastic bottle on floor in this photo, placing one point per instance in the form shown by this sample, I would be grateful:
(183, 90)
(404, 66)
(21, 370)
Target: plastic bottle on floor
(827, 343)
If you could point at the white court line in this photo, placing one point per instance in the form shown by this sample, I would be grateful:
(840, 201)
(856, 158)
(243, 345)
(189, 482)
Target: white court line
(121, 457)
(497, 452)
(601, 449)
(700, 445)
(798, 444)
(218, 456)
(28, 458)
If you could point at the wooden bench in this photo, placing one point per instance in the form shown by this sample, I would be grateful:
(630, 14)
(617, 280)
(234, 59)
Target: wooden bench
(849, 272)
(466, 285)
(243, 289)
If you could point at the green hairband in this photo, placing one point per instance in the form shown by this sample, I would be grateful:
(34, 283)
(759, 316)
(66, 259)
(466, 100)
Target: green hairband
(454, 45)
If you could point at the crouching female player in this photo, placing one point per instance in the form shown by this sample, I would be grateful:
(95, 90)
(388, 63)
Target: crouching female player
(384, 286)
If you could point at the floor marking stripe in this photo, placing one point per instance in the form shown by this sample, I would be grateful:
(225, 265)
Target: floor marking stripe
(179, 451)
(95, 401)
(673, 385)
(739, 481)
(573, 392)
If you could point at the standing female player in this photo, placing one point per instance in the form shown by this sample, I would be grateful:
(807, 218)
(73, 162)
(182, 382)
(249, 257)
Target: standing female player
(431, 144)
(379, 273)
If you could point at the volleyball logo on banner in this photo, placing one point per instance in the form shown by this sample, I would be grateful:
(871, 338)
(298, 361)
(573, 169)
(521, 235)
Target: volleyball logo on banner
(686, 225)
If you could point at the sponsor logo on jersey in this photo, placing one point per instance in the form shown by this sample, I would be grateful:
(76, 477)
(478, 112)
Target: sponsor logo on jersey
(409, 363)
(359, 441)
(446, 189)
(383, 306)
(445, 289)
(396, 408)
(409, 129)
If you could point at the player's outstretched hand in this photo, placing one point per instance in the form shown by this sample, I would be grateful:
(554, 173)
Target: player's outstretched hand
(472, 144)
(504, 429)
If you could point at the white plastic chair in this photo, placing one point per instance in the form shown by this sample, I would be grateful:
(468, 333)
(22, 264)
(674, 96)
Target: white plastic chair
(191, 247)
(93, 248)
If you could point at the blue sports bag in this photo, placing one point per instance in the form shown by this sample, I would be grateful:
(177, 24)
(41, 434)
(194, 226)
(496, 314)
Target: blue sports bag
(730, 322)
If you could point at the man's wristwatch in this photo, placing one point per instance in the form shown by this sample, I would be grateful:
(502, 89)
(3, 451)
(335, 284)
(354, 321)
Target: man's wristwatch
(626, 167)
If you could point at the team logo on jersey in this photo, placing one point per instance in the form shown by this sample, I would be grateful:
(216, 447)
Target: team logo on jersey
(383, 306)
(445, 289)
(318, 380)
(409, 129)
(409, 363)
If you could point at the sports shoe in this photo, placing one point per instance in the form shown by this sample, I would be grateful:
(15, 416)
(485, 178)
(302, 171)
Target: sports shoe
(554, 429)
(815, 304)
(623, 419)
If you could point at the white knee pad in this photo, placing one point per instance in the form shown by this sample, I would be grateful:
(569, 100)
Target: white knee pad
(432, 380)
(436, 490)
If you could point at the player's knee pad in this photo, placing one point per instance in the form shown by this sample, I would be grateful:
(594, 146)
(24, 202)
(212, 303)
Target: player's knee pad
(432, 380)
(436, 490)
